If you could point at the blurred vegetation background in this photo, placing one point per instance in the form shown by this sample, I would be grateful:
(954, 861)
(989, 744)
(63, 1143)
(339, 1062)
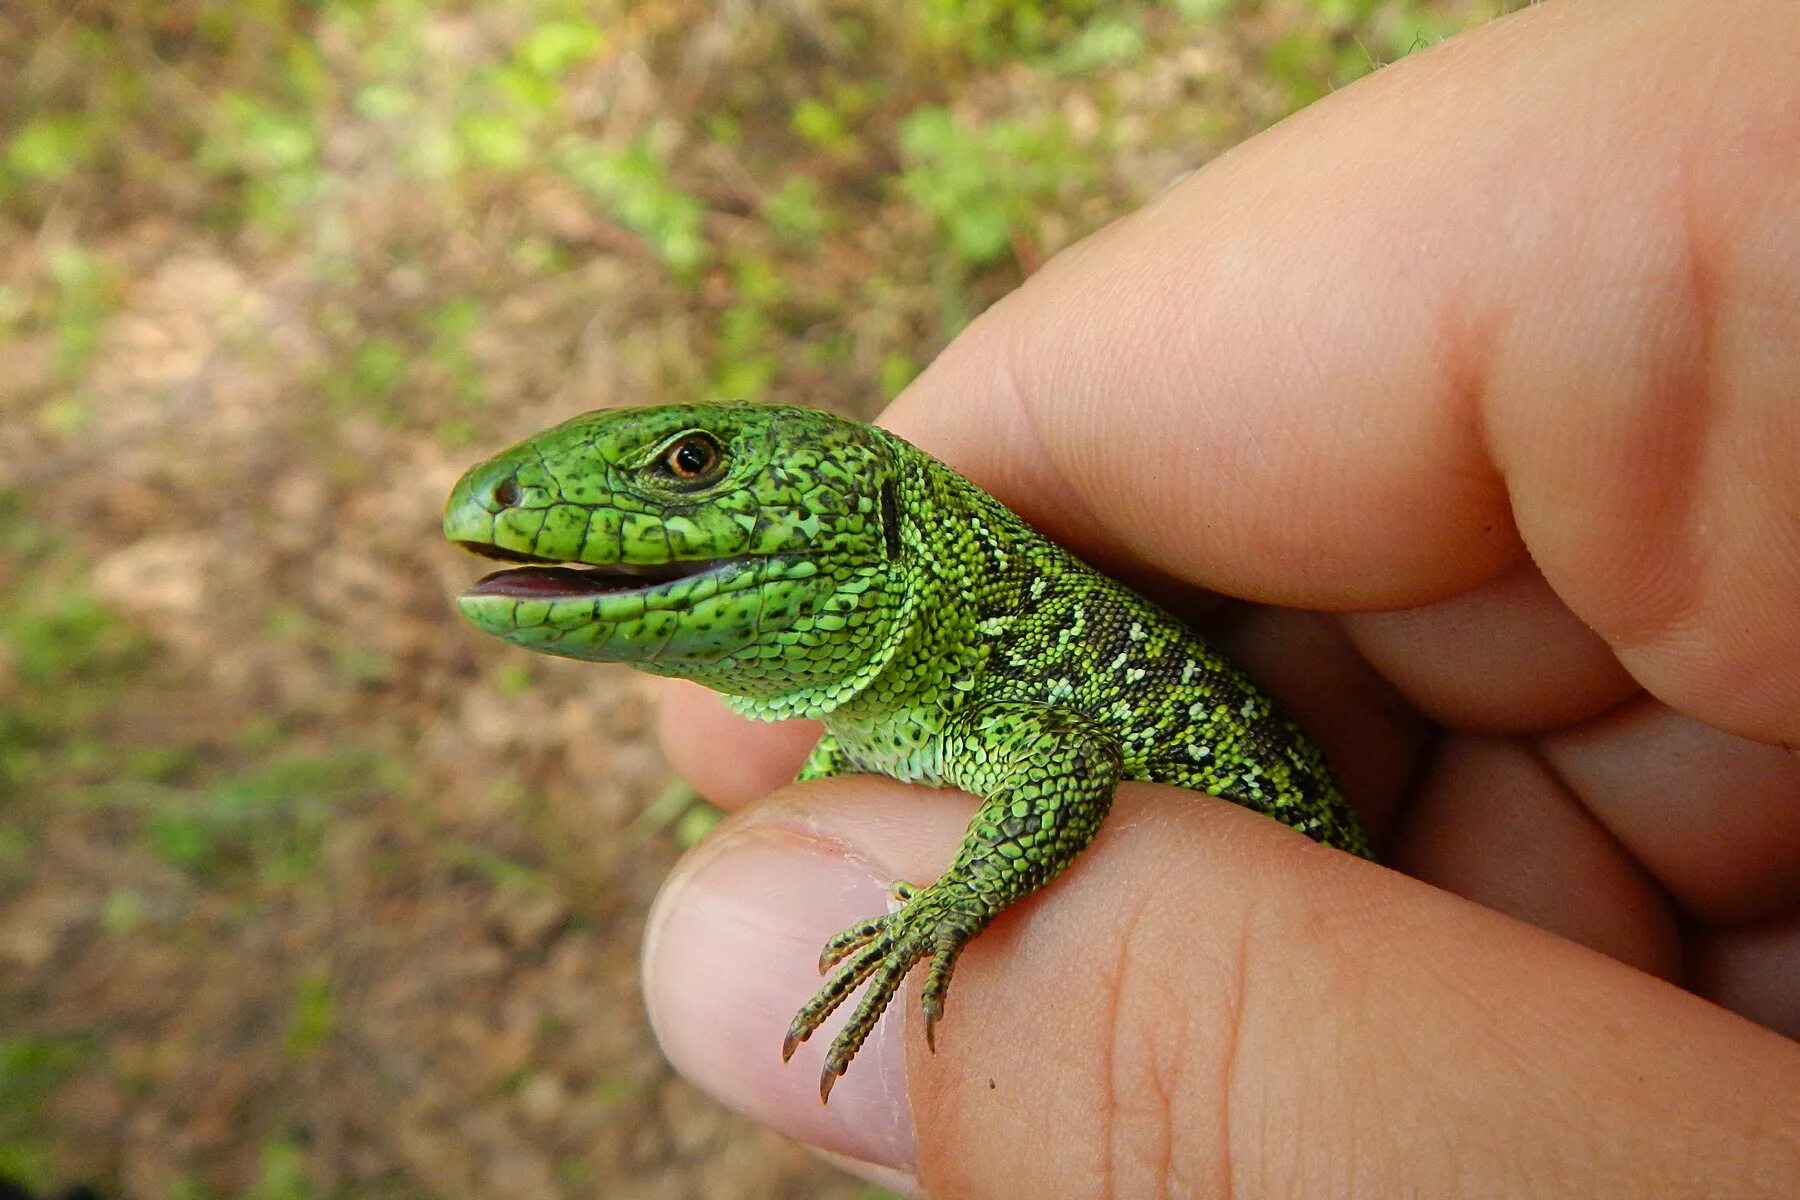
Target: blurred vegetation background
(305, 890)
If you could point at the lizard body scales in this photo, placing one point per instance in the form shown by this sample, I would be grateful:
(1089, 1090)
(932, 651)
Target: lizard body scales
(803, 564)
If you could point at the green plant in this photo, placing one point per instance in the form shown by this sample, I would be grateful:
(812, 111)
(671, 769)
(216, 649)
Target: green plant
(52, 147)
(452, 325)
(991, 30)
(1105, 42)
(796, 212)
(65, 655)
(271, 819)
(314, 1015)
(634, 186)
(897, 370)
(32, 1069)
(743, 364)
(84, 299)
(269, 152)
(283, 1174)
(984, 184)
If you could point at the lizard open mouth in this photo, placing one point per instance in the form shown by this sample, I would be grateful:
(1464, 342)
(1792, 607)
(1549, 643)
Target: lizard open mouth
(553, 579)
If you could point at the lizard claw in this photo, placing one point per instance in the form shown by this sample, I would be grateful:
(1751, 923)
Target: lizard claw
(857, 936)
(880, 952)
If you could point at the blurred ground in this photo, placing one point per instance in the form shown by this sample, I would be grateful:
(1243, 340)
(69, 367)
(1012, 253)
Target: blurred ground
(306, 890)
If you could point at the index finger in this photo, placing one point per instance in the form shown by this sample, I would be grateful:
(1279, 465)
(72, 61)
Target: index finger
(1550, 308)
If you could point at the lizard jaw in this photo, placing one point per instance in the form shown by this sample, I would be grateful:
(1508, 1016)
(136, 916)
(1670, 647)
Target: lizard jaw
(587, 583)
(551, 579)
(692, 612)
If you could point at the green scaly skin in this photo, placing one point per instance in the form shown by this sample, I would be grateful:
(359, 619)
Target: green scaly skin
(820, 567)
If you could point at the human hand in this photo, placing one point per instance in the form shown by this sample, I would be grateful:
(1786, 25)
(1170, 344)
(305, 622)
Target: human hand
(1496, 357)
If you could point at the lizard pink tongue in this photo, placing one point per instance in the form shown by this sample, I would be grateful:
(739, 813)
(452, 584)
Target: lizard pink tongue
(536, 583)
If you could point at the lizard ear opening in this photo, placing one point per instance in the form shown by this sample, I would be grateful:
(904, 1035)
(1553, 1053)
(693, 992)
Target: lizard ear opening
(890, 520)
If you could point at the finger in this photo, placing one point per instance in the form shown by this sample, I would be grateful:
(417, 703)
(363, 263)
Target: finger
(1552, 294)
(1504, 657)
(1207, 998)
(729, 759)
(1715, 818)
(1492, 823)
(1754, 970)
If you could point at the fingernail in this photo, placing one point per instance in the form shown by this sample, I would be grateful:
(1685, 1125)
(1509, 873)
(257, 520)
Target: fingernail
(731, 954)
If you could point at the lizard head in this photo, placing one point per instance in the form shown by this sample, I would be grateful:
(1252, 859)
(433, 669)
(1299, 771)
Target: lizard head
(745, 546)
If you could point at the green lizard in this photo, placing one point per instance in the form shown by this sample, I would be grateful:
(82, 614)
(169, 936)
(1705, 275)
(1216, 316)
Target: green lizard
(805, 565)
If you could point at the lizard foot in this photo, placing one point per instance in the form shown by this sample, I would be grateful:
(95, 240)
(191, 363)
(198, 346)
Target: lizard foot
(881, 951)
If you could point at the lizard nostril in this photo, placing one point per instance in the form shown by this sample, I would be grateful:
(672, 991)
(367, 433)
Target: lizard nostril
(506, 492)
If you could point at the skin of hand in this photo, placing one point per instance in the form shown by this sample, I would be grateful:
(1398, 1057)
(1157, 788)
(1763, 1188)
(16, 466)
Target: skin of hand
(1487, 371)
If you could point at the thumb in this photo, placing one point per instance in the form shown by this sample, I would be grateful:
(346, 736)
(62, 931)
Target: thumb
(1206, 999)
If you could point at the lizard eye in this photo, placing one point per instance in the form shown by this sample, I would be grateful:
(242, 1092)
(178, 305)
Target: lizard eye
(694, 457)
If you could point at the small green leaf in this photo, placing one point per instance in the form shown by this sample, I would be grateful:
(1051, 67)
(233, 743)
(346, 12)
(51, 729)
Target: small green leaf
(385, 100)
(1103, 43)
(49, 148)
(554, 48)
(981, 233)
(820, 124)
(897, 370)
(494, 140)
(314, 1016)
(795, 212)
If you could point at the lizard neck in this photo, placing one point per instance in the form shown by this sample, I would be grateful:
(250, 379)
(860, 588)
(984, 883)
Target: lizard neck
(957, 546)
(858, 620)
(916, 629)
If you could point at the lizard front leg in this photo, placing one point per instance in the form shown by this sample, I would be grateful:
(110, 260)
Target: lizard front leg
(1048, 778)
(826, 759)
